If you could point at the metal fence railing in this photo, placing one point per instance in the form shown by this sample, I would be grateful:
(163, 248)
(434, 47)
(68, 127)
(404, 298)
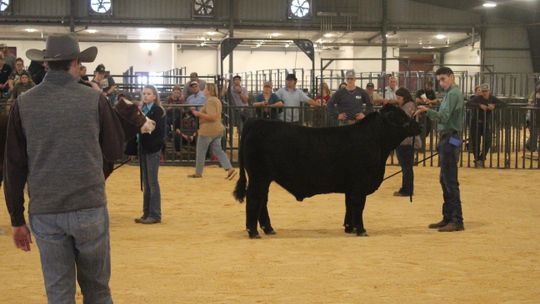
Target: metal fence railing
(505, 139)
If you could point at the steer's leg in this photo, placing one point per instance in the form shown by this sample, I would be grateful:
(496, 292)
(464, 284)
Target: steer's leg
(358, 203)
(257, 196)
(264, 216)
(347, 222)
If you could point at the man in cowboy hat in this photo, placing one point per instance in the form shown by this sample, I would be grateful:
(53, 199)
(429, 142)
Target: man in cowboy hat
(60, 135)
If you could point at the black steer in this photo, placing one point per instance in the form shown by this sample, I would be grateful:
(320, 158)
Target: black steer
(308, 161)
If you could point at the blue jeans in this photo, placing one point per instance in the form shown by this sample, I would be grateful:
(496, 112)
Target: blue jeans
(448, 158)
(152, 192)
(405, 155)
(74, 244)
(203, 142)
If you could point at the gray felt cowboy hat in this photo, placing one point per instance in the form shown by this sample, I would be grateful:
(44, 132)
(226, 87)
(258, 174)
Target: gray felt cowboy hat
(62, 47)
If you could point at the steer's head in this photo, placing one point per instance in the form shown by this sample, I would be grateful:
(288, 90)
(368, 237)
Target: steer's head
(397, 125)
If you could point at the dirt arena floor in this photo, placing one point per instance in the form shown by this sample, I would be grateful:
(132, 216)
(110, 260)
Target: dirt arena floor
(201, 253)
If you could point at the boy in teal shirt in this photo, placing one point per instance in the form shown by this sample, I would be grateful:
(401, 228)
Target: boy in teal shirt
(450, 125)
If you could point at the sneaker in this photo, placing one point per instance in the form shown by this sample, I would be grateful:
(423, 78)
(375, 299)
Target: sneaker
(440, 224)
(451, 227)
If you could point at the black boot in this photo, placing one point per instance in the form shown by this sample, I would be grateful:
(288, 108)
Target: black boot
(440, 224)
(451, 227)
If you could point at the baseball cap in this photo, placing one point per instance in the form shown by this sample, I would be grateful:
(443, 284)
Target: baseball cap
(100, 68)
(370, 85)
(267, 84)
(193, 82)
(291, 77)
(350, 74)
(484, 87)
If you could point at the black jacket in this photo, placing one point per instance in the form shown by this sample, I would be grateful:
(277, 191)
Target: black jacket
(150, 143)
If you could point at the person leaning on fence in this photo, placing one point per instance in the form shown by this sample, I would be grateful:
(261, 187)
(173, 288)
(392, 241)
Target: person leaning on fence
(427, 95)
(405, 150)
(390, 90)
(293, 98)
(65, 172)
(450, 125)
(375, 98)
(5, 72)
(148, 148)
(351, 103)
(238, 98)
(174, 115)
(82, 73)
(16, 74)
(187, 87)
(210, 133)
(481, 116)
(267, 104)
(197, 97)
(23, 84)
(533, 116)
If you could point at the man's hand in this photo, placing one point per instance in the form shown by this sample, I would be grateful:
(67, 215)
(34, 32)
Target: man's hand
(491, 107)
(359, 116)
(342, 116)
(148, 126)
(420, 110)
(483, 107)
(22, 237)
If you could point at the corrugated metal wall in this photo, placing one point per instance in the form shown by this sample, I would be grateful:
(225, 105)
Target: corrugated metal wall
(406, 11)
(505, 49)
(162, 9)
(42, 8)
(261, 10)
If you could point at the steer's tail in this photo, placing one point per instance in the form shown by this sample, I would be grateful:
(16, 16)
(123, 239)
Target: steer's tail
(240, 189)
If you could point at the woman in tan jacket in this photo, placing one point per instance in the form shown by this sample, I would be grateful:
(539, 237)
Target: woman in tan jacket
(210, 133)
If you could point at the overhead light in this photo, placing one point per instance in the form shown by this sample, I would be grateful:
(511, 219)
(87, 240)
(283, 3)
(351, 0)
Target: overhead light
(30, 30)
(489, 4)
(91, 31)
(329, 35)
(429, 47)
(211, 33)
(275, 34)
(440, 36)
(287, 45)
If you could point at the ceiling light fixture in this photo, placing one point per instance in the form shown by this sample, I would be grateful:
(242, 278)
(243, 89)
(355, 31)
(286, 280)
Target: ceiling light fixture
(30, 30)
(91, 31)
(329, 35)
(489, 4)
(211, 33)
(440, 36)
(275, 34)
